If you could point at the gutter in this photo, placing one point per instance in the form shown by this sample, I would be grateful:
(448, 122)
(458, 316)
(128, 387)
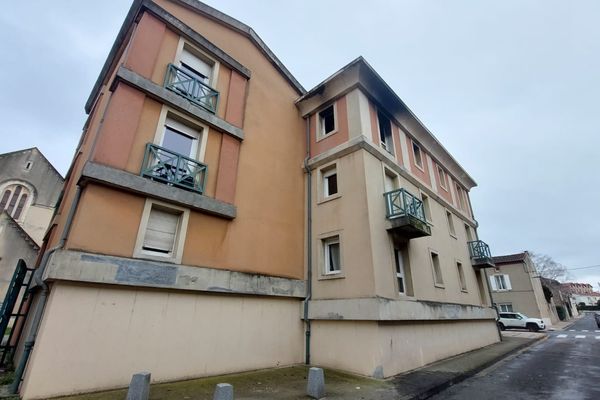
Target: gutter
(39, 310)
(308, 243)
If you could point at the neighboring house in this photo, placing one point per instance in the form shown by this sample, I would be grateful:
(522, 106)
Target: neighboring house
(29, 189)
(219, 218)
(582, 293)
(516, 287)
(560, 299)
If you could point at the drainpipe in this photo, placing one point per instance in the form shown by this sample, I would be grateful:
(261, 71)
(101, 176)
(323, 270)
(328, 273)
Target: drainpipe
(308, 242)
(39, 310)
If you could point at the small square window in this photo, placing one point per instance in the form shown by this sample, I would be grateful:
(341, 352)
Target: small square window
(330, 182)
(450, 223)
(442, 175)
(331, 253)
(461, 276)
(327, 121)
(418, 155)
(437, 271)
(385, 132)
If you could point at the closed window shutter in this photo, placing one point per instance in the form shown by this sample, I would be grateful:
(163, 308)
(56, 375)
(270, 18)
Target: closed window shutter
(507, 281)
(493, 282)
(161, 231)
(199, 66)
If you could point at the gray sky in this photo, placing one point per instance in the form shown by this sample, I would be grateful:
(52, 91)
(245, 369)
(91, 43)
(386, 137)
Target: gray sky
(510, 88)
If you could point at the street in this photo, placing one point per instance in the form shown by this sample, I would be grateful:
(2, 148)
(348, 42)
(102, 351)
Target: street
(565, 366)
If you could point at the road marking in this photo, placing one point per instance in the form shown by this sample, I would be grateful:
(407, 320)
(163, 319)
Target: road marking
(585, 330)
(597, 337)
(562, 336)
(598, 330)
(571, 330)
(579, 336)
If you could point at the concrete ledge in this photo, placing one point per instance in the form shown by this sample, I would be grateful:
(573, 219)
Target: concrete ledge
(75, 266)
(176, 101)
(133, 183)
(380, 309)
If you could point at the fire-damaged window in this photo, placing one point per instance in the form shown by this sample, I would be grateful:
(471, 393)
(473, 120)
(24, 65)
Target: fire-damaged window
(385, 132)
(327, 121)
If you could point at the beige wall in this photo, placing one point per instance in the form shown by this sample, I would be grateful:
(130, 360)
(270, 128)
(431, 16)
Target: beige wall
(387, 349)
(36, 222)
(114, 333)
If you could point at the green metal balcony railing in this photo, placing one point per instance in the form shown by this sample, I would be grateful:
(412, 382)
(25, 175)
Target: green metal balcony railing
(401, 203)
(168, 167)
(479, 250)
(187, 85)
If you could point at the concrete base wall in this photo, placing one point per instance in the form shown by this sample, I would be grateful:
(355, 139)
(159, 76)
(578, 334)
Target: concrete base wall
(95, 337)
(386, 349)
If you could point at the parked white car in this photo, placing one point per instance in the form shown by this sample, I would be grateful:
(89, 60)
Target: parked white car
(510, 320)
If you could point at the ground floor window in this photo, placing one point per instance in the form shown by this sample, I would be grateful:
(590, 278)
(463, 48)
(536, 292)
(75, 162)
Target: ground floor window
(507, 307)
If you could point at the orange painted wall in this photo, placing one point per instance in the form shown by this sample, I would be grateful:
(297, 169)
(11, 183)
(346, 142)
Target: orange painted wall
(236, 99)
(145, 45)
(106, 222)
(397, 144)
(334, 139)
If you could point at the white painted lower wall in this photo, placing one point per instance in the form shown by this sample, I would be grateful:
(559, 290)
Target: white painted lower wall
(95, 337)
(385, 349)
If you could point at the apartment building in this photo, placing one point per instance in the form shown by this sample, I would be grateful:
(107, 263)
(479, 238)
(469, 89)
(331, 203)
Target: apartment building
(516, 287)
(217, 218)
(582, 293)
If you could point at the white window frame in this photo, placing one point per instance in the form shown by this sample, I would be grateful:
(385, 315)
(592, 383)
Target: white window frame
(443, 178)
(320, 126)
(450, 221)
(177, 253)
(325, 172)
(180, 122)
(400, 270)
(436, 273)
(415, 145)
(29, 191)
(495, 279)
(326, 245)
(389, 147)
(500, 305)
(427, 208)
(462, 279)
(213, 81)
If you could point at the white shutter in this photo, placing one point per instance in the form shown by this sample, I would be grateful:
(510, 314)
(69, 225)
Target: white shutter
(493, 283)
(161, 231)
(507, 282)
(197, 64)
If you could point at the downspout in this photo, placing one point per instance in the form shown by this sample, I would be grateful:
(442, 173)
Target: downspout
(39, 310)
(308, 243)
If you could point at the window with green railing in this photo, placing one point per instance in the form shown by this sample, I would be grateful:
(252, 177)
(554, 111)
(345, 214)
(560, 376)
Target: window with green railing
(478, 250)
(166, 166)
(190, 85)
(400, 203)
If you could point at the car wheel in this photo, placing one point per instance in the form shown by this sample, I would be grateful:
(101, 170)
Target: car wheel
(533, 327)
(501, 326)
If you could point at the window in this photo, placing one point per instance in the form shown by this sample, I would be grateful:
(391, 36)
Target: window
(390, 182)
(461, 276)
(181, 138)
(426, 209)
(331, 252)
(162, 232)
(442, 175)
(468, 233)
(15, 199)
(500, 283)
(507, 307)
(450, 224)
(400, 276)
(459, 196)
(28, 165)
(199, 67)
(437, 271)
(326, 121)
(330, 181)
(385, 132)
(418, 156)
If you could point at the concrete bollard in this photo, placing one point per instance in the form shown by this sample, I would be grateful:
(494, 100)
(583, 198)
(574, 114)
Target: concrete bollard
(223, 391)
(139, 388)
(315, 387)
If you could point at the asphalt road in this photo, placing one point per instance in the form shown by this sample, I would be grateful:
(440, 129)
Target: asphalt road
(566, 366)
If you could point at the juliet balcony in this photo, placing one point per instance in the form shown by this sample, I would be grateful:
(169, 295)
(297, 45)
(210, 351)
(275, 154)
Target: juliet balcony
(190, 86)
(481, 256)
(168, 167)
(406, 215)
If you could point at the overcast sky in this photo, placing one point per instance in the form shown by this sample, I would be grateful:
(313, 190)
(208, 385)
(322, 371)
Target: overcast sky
(511, 88)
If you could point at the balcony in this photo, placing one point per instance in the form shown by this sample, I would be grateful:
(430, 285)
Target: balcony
(481, 256)
(406, 215)
(189, 86)
(173, 169)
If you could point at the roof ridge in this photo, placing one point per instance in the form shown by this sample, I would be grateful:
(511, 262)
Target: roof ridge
(22, 231)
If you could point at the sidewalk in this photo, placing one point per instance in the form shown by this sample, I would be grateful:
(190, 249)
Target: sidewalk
(290, 383)
(562, 325)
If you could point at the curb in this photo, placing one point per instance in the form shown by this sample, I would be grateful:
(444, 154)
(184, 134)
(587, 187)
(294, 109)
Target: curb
(468, 374)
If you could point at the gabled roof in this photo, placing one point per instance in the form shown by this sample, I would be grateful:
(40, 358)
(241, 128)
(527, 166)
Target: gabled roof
(201, 8)
(40, 153)
(510, 258)
(28, 239)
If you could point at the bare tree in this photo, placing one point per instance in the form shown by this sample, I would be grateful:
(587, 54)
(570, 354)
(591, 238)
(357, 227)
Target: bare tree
(548, 268)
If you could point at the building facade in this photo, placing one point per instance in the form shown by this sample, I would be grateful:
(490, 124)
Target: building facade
(29, 190)
(218, 218)
(582, 293)
(516, 287)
